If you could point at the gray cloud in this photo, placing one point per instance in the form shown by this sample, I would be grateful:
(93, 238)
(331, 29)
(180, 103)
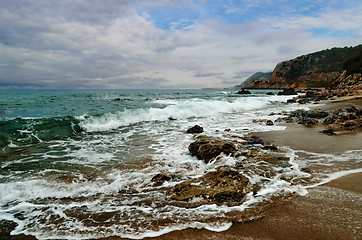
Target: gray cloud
(115, 44)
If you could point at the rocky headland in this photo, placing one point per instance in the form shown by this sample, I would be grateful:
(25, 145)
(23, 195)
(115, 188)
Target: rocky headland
(316, 70)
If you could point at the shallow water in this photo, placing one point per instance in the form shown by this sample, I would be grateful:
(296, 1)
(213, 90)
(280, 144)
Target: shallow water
(77, 164)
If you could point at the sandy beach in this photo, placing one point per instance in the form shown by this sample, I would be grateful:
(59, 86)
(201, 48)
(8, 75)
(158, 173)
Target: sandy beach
(329, 211)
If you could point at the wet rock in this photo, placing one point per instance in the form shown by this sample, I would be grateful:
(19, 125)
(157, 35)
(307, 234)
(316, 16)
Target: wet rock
(160, 178)
(195, 129)
(270, 148)
(270, 93)
(329, 132)
(220, 187)
(117, 99)
(206, 148)
(269, 123)
(291, 100)
(255, 140)
(288, 91)
(243, 92)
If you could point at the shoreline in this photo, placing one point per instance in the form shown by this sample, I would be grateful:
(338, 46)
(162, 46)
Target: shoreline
(330, 210)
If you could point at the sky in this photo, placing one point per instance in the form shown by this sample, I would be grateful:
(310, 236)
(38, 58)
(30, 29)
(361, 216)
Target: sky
(164, 44)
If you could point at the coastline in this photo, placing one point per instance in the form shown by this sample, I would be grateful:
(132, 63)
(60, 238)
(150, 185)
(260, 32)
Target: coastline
(330, 210)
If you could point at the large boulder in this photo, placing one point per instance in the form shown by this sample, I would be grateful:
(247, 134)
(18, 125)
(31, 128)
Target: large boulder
(206, 148)
(220, 187)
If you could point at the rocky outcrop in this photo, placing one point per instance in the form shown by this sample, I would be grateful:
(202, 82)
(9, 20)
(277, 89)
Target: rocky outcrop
(207, 148)
(338, 119)
(317, 69)
(220, 187)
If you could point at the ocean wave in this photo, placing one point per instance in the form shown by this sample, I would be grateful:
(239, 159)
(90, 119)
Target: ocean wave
(28, 130)
(181, 109)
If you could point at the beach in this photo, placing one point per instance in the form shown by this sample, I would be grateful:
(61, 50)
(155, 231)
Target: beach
(329, 211)
(97, 182)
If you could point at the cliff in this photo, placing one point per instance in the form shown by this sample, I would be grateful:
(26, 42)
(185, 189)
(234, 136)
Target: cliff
(317, 69)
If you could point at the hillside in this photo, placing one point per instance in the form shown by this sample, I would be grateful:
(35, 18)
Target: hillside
(317, 69)
(256, 76)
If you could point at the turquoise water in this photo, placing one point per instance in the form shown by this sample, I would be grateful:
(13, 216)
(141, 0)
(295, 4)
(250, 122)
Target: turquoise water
(76, 164)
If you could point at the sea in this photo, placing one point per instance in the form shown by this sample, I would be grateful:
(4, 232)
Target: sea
(78, 164)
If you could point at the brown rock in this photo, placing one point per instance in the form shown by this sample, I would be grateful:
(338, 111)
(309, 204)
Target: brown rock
(206, 148)
(195, 129)
(222, 186)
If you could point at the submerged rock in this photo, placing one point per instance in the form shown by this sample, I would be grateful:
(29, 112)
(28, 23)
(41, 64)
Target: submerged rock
(195, 129)
(221, 186)
(206, 148)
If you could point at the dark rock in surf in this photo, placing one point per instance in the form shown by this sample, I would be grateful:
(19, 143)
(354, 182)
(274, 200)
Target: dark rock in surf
(270, 93)
(288, 91)
(207, 148)
(269, 123)
(195, 129)
(219, 187)
(243, 92)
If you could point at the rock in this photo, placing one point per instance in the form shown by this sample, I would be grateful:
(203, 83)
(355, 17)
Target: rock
(269, 123)
(255, 140)
(291, 100)
(117, 99)
(270, 93)
(270, 148)
(160, 178)
(243, 92)
(220, 187)
(288, 91)
(206, 148)
(329, 132)
(195, 129)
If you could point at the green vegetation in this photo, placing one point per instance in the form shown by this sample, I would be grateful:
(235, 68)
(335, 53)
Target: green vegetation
(256, 76)
(353, 64)
(329, 60)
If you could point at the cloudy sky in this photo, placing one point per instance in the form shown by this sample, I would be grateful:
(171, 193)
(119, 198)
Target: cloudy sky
(163, 43)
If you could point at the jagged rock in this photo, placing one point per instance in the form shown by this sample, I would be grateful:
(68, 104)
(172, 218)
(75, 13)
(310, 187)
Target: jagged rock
(195, 129)
(220, 187)
(270, 93)
(243, 92)
(206, 148)
(288, 91)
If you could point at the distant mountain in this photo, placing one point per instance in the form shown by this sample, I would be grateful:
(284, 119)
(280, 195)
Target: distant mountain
(255, 77)
(317, 69)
